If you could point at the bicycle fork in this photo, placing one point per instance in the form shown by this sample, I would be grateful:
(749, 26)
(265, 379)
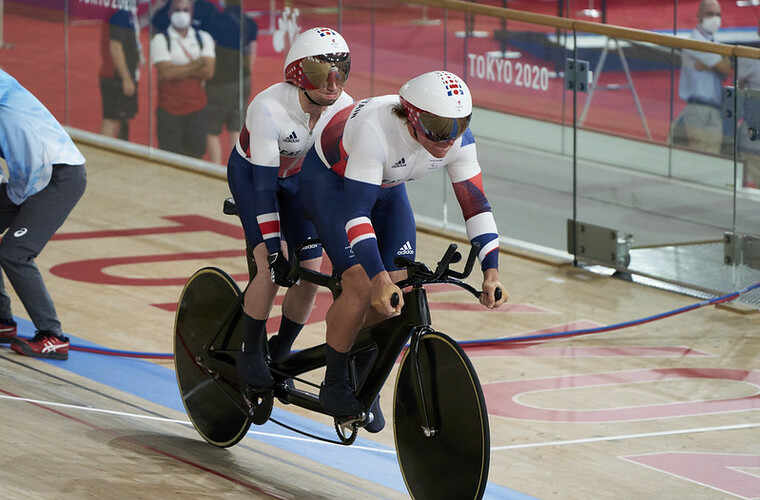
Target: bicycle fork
(430, 423)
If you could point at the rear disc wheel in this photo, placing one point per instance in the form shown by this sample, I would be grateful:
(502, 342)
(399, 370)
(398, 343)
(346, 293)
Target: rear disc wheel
(214, 404)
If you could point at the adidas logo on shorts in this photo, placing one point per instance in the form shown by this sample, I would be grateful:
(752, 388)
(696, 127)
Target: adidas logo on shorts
(406, 249)
(291, 138)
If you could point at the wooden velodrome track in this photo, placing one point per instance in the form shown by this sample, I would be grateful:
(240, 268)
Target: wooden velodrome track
(667, 409)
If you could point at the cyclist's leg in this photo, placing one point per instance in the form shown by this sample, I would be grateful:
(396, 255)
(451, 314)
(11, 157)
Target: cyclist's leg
(299, 299)
(344, 318)
(393, 221)
(259, 296)
(322, 195)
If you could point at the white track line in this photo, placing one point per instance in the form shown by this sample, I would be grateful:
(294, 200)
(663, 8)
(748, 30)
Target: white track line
(175, 421)
(493, 448)
(627, 436)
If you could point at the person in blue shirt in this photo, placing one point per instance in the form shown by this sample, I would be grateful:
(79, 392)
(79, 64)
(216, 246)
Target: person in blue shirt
(121, 53)
(701, 84)
(229, 90)
(46, 179)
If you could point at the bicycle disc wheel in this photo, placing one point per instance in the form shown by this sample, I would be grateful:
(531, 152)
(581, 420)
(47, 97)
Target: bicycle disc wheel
(214, 404)
(453, 462)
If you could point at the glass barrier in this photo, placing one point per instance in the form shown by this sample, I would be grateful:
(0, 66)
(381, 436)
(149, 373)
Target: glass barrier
(570, 125)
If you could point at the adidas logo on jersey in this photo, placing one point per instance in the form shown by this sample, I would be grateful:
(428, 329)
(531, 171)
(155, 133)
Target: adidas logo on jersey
(291, 138)
(406, 249)
(399, 164)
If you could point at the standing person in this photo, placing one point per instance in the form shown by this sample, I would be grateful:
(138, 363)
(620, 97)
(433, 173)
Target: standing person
(229, 90)
(748, 77)
(280, 126)
(46, 179)
(121, 54)
(700, 84)
(353, 191)
(203, 12)
(184, 59)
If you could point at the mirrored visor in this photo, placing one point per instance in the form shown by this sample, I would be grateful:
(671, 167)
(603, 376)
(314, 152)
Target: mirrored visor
(440, 129)
(318, 68)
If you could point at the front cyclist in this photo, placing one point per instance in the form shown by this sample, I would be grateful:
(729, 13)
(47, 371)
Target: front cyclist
(353, 191)
(280, 126)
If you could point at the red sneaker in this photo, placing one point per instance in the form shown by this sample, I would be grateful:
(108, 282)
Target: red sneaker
(43, 345)
(7, 331)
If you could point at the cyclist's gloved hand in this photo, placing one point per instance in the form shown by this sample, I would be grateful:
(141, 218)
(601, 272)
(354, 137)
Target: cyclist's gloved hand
(279, 268)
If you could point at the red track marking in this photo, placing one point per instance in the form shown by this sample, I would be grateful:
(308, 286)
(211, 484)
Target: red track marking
(714, 470)
(93, 270)
(503, 397)
(185, 224)
(152, 448)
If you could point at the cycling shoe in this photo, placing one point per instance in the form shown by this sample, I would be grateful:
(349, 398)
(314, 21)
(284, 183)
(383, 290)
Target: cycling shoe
(338, 400)
(253, 370)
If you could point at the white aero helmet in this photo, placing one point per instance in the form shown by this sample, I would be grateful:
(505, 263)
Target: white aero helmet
(314, 54)
(438, 105)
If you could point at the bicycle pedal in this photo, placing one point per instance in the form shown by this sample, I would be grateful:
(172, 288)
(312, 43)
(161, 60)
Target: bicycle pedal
(258, 404)
(359, 420)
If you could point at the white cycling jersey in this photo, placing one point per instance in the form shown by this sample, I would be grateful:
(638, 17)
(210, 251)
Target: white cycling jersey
(369, 144)
(380, 150)
(276, 130)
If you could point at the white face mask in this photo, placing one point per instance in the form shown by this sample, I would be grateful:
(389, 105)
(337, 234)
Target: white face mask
(180, 20)
(711, 24)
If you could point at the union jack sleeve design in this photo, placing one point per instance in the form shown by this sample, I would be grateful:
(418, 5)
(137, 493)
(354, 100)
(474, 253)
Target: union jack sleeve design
(269, 225)
(482, 228)
(471, 196)
(267, 206)
(359, 229)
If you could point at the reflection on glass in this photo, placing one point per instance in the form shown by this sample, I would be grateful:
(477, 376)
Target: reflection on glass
(184, 58)
(121, 54)
(229, 90)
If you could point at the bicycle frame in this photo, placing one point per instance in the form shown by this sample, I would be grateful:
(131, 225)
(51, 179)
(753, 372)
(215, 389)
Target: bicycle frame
(384, 341)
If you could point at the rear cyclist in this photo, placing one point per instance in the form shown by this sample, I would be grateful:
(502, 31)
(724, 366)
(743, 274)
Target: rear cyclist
(353, 190)
(280, 125)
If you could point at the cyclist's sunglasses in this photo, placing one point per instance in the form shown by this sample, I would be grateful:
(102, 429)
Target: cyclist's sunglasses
(440, 129)
(316, 69)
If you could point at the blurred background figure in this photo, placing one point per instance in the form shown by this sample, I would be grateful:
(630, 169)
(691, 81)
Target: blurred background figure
(701, 84)
(121, 53)
(230, 89)
(203, 12)
(184, 58)
(748, 77)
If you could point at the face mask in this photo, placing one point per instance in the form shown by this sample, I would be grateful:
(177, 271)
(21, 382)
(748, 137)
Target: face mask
(711, 24)
(180, 20)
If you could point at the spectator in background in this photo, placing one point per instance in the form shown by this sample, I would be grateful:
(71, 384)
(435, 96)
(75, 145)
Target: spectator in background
(748, 77)
(700, 85)
(184, 58)
(229, 90)
(119, 72)
(203, 12)
(46, 179)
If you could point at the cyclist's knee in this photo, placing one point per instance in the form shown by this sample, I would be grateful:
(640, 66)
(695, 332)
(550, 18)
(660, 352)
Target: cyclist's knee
(356, 286)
